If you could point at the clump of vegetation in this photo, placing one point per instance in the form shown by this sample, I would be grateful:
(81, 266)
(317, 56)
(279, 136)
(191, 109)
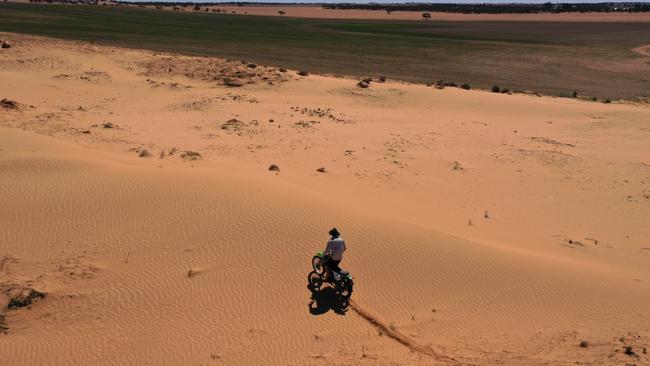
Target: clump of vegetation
(575, 94)
(191, 155)
(456, 166)
(505, 91)
(274, 168)
(607, 101)
(496, 89)
(25, 297)
(584, 344)
(281, 12)
(232, 124)
(466, 86)
(303, 73)
(426, 16)
(441, 84)
(382, 79)
(363, 84)
(8, 104)
(232, 82)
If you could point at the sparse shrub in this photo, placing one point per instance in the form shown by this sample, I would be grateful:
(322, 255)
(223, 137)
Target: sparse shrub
(303, 73)
(25, 297)
(505, 91)
(232, 82)
(496, 89)
(584, 344)
(575, 94)
(426, 16)
(144, 154)
(252, 66)
(382, 79)
(607, 101)
(274, 168)
(466, 86)
(441, 84)
(281, 12)
(9, 104)
(321, 170)
(191, 155)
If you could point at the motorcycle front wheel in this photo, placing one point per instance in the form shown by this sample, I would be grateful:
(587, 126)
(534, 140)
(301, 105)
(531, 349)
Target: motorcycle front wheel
(318, 265)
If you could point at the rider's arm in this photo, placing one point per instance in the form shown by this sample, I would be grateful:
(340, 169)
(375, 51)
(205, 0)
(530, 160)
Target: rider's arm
(328, 248)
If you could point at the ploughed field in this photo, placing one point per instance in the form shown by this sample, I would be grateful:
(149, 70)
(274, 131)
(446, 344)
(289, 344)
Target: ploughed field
(595, 58)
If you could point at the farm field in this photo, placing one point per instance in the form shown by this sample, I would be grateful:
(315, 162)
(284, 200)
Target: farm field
(596, 59)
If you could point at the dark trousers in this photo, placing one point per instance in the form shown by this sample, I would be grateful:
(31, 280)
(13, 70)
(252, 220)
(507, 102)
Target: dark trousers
(333, 265)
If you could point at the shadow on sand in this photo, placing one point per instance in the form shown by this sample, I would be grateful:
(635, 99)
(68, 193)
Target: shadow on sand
(325, 299)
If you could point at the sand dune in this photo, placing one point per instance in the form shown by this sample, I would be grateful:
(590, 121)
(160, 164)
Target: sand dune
(482, 228)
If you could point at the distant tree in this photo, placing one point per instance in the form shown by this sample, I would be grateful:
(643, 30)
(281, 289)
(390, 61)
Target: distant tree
(426, 16)
(197, 7)
(387, 10)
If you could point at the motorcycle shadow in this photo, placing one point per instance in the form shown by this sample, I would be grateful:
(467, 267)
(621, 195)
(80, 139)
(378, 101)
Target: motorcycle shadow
(327, 299)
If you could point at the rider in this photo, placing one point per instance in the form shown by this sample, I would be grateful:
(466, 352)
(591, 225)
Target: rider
(335, 248)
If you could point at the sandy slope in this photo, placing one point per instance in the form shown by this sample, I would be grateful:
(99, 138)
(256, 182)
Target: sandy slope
(171, 261)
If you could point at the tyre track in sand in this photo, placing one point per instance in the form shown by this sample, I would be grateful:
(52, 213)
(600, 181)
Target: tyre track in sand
(642, 50)
(399, 336)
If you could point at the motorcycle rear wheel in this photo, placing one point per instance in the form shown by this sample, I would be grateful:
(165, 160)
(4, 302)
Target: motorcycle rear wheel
(315, 281)
(346, 290)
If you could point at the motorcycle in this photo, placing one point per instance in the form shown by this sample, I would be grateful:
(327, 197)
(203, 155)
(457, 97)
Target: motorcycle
(342, 281)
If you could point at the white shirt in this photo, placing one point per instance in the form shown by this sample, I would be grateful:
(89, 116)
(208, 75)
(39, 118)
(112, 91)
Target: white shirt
(335, 247)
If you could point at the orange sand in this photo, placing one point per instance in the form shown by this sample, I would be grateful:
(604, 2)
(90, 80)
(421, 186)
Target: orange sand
(482, 228)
